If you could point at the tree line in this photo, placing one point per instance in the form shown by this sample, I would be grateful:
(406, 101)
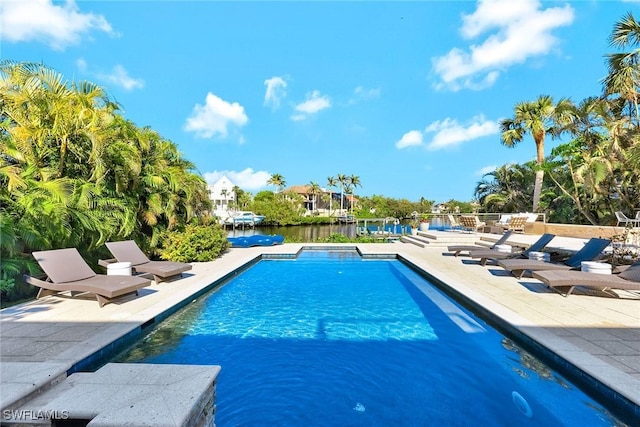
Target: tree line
(597, 171)
(75, 173)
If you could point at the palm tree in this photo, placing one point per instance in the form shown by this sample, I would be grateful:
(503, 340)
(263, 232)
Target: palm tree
(506, 189)
(624, 68)
(539, 118)
(314, 189)
(277, 180)
(342, 180)
(354, 181)
(331, 182)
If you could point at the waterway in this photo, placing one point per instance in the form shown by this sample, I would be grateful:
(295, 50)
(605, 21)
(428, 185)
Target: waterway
(298, 233)
(311, 233)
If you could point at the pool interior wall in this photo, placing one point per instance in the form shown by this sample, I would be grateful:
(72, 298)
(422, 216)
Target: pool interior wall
(617, 404)
(612, 400)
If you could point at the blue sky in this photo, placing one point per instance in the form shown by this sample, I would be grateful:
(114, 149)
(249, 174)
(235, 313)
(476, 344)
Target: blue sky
(405, 95)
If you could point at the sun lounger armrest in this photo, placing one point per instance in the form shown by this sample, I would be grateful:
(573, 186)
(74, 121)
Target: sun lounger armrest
(39, 280)
(620, 268)
(106, 262)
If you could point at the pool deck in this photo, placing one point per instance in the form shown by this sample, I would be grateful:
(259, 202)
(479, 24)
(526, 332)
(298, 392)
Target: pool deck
(40, 341)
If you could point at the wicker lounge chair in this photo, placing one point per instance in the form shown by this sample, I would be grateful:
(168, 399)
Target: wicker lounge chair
(67, 271)
(588, 252)
(560, 280)
(487, 254)
(128, 251)
(456, 249)
(471, 223)
(516, 223)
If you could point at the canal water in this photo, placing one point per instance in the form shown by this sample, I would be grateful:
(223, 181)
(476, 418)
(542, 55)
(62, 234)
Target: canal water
(311, 233)
(297, 233)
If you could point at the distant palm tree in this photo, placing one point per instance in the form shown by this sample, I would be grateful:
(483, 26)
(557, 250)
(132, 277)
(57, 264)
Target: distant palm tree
(354, 181)
(236, 192)
(331, 182)
(539, 118)
(277, 180)
(314, 189)
(342, 180)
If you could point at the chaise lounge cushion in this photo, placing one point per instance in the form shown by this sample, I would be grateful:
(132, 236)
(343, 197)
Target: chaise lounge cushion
(590, 251)
(487, 254)
(128, 251)
(629, 279)
(67, 271)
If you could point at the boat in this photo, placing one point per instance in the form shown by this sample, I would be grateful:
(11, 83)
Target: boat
(255, 240)
(346, 219)
(244, 218)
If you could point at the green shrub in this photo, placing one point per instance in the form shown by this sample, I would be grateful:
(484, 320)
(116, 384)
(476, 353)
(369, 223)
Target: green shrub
(338, 238)
(197, 243)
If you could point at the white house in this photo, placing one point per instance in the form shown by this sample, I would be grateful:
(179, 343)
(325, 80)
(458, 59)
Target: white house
(221, 194)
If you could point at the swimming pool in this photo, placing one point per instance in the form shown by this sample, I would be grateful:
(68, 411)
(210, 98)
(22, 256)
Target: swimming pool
(331, 339)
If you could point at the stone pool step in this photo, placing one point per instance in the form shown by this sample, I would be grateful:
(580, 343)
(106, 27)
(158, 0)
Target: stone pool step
(443, 239)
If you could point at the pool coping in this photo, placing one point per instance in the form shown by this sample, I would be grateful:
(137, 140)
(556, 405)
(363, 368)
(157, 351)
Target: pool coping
(220, 270)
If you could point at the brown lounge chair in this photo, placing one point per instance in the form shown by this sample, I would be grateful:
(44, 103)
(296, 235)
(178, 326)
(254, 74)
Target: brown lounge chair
(128, 251)
(66, 270)
(487, 254)
(588, 252)
(456, 249)
(558, 280)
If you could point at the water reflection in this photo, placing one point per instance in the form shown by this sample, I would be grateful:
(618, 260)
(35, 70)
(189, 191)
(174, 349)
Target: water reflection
(311, 233)
(297, 233)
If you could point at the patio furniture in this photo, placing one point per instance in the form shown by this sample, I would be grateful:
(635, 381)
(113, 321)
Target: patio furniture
(128, 251)
(471, 223)
(516, 223)
(625, 220)
(453, 222)
(456, 249)
(67, 271)
(559, 280)
(588, 252)
(495, 255)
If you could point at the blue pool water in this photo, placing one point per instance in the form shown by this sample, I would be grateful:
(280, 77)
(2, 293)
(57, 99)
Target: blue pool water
(330, 339)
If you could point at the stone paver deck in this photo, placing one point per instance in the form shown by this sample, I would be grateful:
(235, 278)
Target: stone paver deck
(41, 341)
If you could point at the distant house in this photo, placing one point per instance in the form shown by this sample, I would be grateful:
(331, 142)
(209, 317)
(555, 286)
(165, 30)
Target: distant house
(222, 194)
(322, 204)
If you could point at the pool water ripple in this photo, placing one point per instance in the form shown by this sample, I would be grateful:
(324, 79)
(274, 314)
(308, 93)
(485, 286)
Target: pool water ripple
(332, 340)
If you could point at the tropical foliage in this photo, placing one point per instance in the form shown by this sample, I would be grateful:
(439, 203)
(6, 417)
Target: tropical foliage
(199, 243)
(76, 173)
(596, 172)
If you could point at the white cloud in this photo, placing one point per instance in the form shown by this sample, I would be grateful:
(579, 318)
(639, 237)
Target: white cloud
(82, 65)
(276, 91)
(367, 93)
(449, 133)
(521, 30)
(247, 179)
(409, 139)
(120, 77)
(485, 170)
(215, 117)
(40, 20)
(315, 102)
